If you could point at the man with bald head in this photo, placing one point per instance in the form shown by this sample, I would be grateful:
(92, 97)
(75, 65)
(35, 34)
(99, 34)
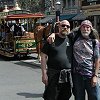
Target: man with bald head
(56, 65)
(63, 28)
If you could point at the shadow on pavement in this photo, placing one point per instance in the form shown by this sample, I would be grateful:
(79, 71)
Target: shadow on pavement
(3, 58)
(21, 63)
(30, 95)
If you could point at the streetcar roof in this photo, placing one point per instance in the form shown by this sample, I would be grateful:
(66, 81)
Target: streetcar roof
(22, 16)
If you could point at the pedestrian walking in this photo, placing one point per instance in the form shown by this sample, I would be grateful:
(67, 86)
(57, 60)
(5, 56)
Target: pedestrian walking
(56, 65)
(85, 61)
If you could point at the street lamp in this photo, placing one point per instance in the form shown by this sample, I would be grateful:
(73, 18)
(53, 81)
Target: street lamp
(58, 8)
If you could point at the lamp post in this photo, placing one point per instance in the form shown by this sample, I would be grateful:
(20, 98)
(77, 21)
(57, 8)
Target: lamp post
(58, 8)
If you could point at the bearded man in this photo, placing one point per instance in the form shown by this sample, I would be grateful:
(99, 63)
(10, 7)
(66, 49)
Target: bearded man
(85, 61)
(56, 65)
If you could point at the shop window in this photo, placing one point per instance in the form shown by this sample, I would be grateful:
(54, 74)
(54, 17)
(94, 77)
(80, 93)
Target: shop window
(71, 3)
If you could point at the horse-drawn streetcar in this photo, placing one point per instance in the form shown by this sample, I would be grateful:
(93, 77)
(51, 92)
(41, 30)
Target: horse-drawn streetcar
(21, 44)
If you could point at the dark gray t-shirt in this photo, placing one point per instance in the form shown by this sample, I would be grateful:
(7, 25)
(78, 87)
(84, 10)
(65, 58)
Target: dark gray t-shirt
(59, 53)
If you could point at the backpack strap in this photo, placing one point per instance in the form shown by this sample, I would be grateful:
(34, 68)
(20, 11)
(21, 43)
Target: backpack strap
(93, 44)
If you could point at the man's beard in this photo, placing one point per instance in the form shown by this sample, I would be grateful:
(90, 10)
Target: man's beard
(64, 32)
(85, 34)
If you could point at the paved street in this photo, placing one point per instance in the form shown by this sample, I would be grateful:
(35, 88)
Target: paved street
(21, 79)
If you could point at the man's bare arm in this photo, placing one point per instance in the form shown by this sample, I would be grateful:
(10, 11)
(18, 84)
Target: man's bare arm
(95, 76)
(43, 68)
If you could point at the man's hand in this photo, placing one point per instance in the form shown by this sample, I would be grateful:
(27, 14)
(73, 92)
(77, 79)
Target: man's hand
(51, 38)
(94, 81)
(45, 78)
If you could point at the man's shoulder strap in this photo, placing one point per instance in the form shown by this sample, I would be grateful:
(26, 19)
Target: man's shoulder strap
(93, 43)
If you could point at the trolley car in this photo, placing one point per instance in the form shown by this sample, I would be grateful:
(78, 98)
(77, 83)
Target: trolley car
(23, 45)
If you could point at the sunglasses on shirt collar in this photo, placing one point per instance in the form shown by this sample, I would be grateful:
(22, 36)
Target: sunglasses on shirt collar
(65, 25)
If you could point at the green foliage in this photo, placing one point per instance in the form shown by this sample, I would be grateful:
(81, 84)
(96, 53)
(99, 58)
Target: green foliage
(32, 5)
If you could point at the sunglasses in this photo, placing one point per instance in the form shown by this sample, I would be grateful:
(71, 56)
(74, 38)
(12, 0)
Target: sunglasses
(65, 25)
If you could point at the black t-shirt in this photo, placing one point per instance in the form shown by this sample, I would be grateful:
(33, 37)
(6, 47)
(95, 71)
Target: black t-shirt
(59, 53)
(17, 30)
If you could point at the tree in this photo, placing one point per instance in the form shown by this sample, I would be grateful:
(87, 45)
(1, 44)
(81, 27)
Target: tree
(32, 5)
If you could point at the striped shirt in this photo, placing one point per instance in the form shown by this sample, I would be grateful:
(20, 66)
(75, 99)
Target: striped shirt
(84, 54)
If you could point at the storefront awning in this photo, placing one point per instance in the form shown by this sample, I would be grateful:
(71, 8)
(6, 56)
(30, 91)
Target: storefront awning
(46, 19)
(52, 18)
(80, 16)
(67, 17)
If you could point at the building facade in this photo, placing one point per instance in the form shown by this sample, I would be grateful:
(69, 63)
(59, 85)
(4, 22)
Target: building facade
(67, 6)
(68, 9)
(89, 9)
(92, 10)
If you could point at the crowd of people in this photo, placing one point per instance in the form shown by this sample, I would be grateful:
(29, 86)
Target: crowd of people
(70, 63)
(7, 32)
(17, 29)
